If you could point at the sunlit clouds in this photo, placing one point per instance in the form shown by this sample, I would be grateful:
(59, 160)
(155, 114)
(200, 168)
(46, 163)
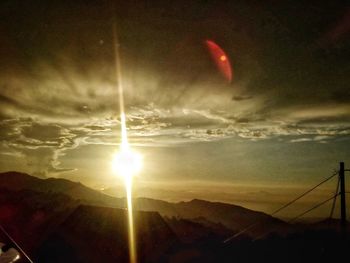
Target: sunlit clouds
(59, 108)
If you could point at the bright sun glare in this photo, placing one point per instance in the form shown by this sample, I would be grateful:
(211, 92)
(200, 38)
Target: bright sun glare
(127, 163)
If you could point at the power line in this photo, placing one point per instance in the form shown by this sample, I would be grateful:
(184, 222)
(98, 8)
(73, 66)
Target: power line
(302, 214)
(281, 208)
(15, 243)
(242, 231)
(305, 193)
(335, 198)
(312, 208)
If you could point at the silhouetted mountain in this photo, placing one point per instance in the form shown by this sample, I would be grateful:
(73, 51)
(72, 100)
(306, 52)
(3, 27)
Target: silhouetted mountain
(198, 230)
(325, 224)
(303, 246)
(21, 181)
(231, 216)
(31, 216)
(100, 234)
(52, 226)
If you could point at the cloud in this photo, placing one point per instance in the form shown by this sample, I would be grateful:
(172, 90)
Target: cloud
(60, 93)
(41, 145)
(301, 140)
(318, 138)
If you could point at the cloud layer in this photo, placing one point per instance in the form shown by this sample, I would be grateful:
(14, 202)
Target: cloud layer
(58, 85)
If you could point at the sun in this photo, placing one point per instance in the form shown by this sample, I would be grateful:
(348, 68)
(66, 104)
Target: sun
(127, 163)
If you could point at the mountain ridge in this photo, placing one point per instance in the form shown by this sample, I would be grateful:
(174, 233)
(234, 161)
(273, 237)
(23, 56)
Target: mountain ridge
(53, 227)
(231, 216)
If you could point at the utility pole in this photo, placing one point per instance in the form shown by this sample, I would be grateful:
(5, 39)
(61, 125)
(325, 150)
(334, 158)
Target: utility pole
(342, 196)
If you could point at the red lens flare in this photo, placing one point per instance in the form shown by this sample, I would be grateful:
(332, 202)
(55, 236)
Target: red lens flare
(220, 58)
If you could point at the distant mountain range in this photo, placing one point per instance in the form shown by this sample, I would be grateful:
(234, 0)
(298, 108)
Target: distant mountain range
(230, 216)
(56, 221)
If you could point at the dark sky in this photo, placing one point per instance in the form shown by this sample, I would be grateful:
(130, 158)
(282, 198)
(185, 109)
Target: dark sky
(283, 120)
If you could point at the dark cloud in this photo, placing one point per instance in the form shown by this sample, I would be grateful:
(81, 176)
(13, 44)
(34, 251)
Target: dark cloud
(163, 57)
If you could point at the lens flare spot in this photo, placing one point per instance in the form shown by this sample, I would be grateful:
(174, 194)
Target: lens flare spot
(221, 59)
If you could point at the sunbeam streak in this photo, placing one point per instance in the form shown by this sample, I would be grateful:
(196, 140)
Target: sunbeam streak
(126, 162)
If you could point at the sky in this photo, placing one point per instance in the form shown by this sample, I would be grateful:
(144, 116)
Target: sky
(280, 126)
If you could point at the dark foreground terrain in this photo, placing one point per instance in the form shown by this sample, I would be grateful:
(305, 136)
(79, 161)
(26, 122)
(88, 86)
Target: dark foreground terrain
(57, 220)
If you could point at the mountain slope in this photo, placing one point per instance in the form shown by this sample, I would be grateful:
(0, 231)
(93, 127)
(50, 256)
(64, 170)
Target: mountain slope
(53, 227)
(29, 217)
(231, 216)
(100, 234)
(21, 181)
